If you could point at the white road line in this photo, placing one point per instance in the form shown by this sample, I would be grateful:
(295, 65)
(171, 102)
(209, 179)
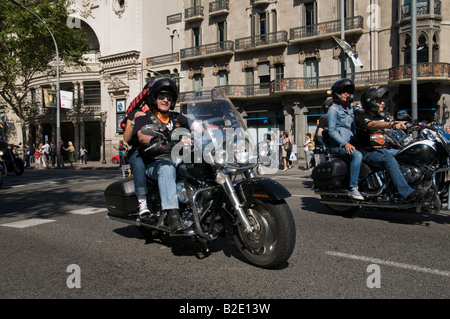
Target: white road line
(390, 263)
(88, 211)
(28, 223)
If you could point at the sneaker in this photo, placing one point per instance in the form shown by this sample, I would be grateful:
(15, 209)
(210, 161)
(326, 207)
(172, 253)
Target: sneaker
(355, 194)
(143, 209)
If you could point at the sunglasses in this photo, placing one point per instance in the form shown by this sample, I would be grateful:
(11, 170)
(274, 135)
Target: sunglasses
(165, 96)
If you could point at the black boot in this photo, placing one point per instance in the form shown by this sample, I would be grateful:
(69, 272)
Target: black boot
(174, 220)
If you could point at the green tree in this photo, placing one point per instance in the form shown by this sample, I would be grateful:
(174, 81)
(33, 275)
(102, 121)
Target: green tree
(27, 49)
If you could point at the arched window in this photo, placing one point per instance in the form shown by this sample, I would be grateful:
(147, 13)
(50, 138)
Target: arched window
(435, 51)
(407, 50)
(90, 36)
(422, 49)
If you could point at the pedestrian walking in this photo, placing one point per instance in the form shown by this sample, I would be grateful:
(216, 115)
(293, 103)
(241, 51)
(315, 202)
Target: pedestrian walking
(60, 154)
(83, 155)
(71, 153)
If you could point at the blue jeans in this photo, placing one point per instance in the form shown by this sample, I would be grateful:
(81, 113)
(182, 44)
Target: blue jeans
(138, 169)
(355, 160)
(165, 173)
(384, 158)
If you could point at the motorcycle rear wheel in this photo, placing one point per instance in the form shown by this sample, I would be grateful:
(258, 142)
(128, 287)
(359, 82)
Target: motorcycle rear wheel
(20, 166)
(271, 243)
(343, 210)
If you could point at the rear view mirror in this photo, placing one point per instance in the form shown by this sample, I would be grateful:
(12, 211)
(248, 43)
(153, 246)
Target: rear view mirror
(152, 130)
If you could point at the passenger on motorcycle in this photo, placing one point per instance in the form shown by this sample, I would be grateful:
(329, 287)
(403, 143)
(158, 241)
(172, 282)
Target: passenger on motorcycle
(137, 108)
(373, 122)
(321, 136)
(341, 129)
(161, 99)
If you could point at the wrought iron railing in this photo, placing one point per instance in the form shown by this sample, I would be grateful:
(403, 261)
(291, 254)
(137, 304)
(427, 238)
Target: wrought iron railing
(207, 49)
(260, 40)
(424, 70)
(193, 12)
(325, 28)
(219, 5)
(163, 59)
(423, 8)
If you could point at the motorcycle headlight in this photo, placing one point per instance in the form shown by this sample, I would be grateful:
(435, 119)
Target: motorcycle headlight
(220, 156)
(242, 157)
(1, 153)
(263, 149)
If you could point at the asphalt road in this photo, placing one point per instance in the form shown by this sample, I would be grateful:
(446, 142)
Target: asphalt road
(57, 242)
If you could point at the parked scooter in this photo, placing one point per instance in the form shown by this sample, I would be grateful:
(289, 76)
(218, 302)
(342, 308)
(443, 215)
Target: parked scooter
(218, 192)
(423, 162)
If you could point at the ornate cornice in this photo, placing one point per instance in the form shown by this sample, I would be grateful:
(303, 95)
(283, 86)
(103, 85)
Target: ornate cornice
(130, 58)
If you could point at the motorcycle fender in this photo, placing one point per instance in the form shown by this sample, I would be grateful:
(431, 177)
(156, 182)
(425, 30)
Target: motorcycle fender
(261, 188)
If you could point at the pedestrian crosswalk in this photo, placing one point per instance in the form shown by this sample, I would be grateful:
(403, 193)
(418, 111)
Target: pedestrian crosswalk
(30, 222)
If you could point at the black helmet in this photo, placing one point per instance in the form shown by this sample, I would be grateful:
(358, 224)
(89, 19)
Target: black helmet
(326, 104)
(163, 85)
(342, 85)
(371, 95)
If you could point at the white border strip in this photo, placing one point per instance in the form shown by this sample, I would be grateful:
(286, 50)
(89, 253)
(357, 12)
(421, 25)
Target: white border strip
(390, 263)
(28, 223)
(88, 211)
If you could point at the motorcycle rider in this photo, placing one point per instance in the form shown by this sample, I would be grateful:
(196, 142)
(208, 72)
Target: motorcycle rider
(161, 99)
(376, 154)
(341, 129)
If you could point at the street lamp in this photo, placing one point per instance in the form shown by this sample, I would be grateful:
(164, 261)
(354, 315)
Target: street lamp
(58, 128)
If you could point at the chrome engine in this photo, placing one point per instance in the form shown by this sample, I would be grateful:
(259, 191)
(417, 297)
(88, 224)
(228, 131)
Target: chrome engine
(412, 174)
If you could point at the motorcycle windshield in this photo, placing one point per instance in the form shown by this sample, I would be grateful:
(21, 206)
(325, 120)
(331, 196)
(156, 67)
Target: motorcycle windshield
(219, 131)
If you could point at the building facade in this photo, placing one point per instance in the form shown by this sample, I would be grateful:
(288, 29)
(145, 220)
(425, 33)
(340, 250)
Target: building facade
(276, 60)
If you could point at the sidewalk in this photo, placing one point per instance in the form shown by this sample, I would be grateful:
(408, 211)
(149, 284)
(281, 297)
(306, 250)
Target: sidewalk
(89, 165)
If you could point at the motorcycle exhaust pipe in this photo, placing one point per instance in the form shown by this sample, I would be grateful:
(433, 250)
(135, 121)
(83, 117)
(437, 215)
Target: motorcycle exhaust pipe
(364, 204)
(139, 223)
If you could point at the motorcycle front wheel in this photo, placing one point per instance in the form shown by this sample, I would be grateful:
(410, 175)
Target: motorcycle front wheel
(272, 240)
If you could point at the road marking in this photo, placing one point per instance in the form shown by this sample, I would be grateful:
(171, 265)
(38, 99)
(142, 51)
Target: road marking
(28, 223)
(390, 263)
(88, 211)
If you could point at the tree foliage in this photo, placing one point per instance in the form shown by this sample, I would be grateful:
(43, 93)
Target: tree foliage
(27, 48)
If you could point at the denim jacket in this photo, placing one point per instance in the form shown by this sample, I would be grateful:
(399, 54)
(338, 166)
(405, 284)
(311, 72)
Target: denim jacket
(341, 125)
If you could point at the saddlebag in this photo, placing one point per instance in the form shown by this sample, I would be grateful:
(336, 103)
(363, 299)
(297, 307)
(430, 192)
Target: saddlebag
(120, 197)
(330, 174)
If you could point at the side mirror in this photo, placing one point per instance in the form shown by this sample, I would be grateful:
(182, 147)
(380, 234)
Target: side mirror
(151, 129)
(403, 115)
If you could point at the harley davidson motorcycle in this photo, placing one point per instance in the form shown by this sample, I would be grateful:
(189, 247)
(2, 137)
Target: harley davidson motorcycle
(10, 159)
(3, 170)
(424, 163)
(218, 192)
